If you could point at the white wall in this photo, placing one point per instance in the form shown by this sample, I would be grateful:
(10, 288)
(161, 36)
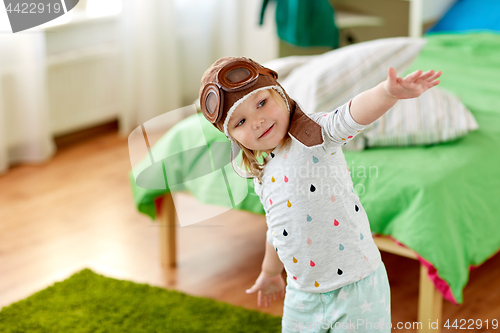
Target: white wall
(211, 29)
(261, 42)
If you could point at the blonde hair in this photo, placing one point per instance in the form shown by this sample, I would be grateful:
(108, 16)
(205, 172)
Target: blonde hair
(249, 157)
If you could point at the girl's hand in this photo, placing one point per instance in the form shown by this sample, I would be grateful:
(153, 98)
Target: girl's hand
(269, 288)
(413, 85)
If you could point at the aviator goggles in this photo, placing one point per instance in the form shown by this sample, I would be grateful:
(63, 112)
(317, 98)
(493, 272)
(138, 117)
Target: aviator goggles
(233, 77)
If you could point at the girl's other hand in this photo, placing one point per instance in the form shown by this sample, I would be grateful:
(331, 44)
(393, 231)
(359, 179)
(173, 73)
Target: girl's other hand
(413, 85)
(269, 288)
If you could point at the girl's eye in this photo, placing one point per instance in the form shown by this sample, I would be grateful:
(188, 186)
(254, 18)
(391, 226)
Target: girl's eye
(240, 123)
(262, 103)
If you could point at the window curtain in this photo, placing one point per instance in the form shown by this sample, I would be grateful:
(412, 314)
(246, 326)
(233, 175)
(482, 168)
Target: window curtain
(168, 44)
(25, 135)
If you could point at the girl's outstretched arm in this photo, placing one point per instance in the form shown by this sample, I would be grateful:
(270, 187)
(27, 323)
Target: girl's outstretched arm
(368, 106)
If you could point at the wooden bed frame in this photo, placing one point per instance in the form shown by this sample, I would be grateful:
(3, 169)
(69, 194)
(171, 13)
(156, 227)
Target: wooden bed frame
(430, 301)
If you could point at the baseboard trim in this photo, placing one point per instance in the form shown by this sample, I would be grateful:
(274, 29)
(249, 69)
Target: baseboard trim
(66, 140)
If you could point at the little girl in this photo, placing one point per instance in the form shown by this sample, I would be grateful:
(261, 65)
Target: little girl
(317, 228)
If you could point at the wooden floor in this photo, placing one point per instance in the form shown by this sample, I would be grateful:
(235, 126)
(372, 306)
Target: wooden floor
(77, 211)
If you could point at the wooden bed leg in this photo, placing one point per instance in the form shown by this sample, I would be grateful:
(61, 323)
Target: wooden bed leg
(168, 230)
(430, 303)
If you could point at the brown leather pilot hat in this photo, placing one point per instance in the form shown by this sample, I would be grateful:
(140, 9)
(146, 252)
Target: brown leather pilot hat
(219, 92)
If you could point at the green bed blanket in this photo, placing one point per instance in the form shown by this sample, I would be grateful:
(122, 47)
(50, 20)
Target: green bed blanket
(442, 201)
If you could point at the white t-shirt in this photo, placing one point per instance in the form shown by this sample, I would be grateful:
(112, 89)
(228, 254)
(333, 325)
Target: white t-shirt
(315, 220)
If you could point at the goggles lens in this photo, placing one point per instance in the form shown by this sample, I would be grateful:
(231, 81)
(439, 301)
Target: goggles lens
(238, 75)
(211, 102)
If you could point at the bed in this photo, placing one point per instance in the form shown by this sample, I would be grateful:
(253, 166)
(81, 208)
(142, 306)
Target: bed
(434, 203)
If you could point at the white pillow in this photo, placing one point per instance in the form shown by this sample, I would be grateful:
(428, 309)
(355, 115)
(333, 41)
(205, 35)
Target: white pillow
(284, 66)
(331, 79)
(436, 116)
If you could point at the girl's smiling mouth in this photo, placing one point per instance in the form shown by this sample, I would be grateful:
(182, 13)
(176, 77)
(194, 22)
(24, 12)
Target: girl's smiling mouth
(267, 132)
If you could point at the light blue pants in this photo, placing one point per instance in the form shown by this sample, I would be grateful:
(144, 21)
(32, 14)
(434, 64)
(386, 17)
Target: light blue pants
(362, 306)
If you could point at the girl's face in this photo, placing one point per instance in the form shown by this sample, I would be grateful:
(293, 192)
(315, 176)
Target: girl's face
(259, 122)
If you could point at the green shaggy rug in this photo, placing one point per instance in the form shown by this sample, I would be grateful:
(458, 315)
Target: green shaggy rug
(89, 302)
